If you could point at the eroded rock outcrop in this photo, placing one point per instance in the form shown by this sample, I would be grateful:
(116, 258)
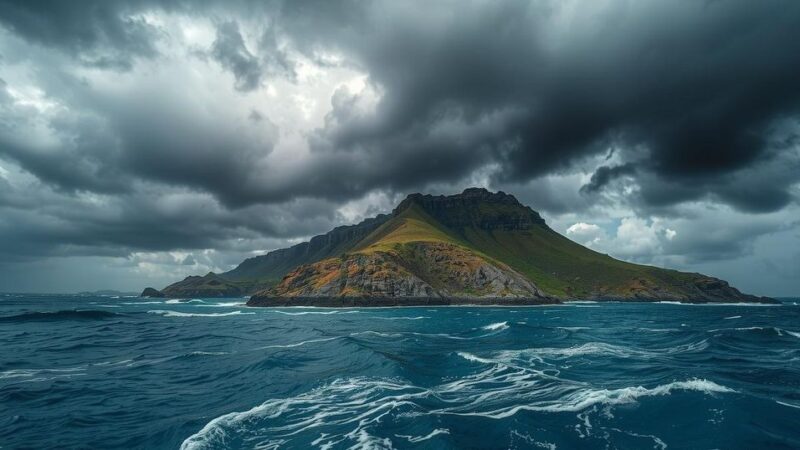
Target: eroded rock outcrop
(420, 269)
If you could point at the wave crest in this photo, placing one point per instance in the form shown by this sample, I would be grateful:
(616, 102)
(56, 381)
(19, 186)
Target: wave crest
(68, 314)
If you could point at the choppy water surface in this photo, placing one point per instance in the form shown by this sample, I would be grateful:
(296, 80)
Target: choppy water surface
(102, 372)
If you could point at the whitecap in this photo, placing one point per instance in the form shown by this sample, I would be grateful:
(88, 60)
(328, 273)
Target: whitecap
(415, 439)
(401, 318)
(167, 313)
(473, 358)
(790, 405)
(733, 317)
(497, 326)
(223, 305)
(582, 399)
(305, 313)
(298, 344)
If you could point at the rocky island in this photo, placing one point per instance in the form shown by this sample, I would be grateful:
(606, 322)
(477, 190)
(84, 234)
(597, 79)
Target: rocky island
(477, 247)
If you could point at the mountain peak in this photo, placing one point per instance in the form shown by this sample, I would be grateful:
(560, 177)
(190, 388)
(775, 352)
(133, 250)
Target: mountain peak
(475, 207)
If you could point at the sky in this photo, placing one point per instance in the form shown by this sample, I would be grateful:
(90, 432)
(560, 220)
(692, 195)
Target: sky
(144, 141)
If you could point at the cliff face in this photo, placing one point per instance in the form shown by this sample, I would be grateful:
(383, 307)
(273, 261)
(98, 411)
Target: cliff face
(415, 270)
(475, 208)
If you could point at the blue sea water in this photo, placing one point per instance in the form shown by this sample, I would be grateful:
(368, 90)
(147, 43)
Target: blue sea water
(101, 372)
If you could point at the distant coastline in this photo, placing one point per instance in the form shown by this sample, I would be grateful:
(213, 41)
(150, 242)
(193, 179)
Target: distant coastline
(349, 302)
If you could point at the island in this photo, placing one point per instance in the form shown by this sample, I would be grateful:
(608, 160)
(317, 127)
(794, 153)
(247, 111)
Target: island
(477, 248)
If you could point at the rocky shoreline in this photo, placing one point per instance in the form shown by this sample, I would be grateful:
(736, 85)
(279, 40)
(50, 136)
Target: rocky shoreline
(347, 302)
(343, 302)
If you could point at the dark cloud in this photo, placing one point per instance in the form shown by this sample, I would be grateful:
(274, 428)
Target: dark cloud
(606, 174)
(230, 51)
(694, 86)
(691, 101)
(104, 33)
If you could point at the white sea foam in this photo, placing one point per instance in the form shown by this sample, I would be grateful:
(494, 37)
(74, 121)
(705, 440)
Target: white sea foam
(473, 358)
(175, 301)
(343, 412)
(27, 373)
(733, 317)
(298, 344)
(415, 439)
(790, 405)
(324, 313)
(223, 305)
(778, 331)
(589, 348)
(401, 318)
(143, 303)
(582, 399)
(498, 326)
(168, 313)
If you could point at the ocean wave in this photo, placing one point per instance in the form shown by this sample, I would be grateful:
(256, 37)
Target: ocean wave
(733, 317)
(596, 348)
(307, 313)
(401, 318)
(344, 412)
(415, 439)
(28, 373)
(168, 313)
(498, 326)
(770, 330)
(718, 304)
(473, 358)
(299, 344)
(68, 314)
(582, 399)
(223, 305)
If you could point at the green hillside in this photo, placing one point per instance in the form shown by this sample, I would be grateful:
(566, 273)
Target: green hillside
(476, 244)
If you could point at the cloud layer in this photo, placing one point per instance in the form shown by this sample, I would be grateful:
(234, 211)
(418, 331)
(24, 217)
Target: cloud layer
(149, 126)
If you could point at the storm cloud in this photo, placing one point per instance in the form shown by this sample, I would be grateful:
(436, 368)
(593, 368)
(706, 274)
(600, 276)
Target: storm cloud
(156, 126)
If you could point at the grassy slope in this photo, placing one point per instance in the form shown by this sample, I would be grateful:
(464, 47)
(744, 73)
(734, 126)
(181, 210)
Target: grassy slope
(556, 264)
(411, 225)
(564, 268)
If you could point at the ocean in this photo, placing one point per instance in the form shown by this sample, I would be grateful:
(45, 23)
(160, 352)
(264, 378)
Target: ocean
(104, 372)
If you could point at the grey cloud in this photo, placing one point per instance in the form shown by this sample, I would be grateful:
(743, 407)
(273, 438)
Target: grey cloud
(104, 33)
(230, 51)
(699, 100)
(606, 174)
(695, 86)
